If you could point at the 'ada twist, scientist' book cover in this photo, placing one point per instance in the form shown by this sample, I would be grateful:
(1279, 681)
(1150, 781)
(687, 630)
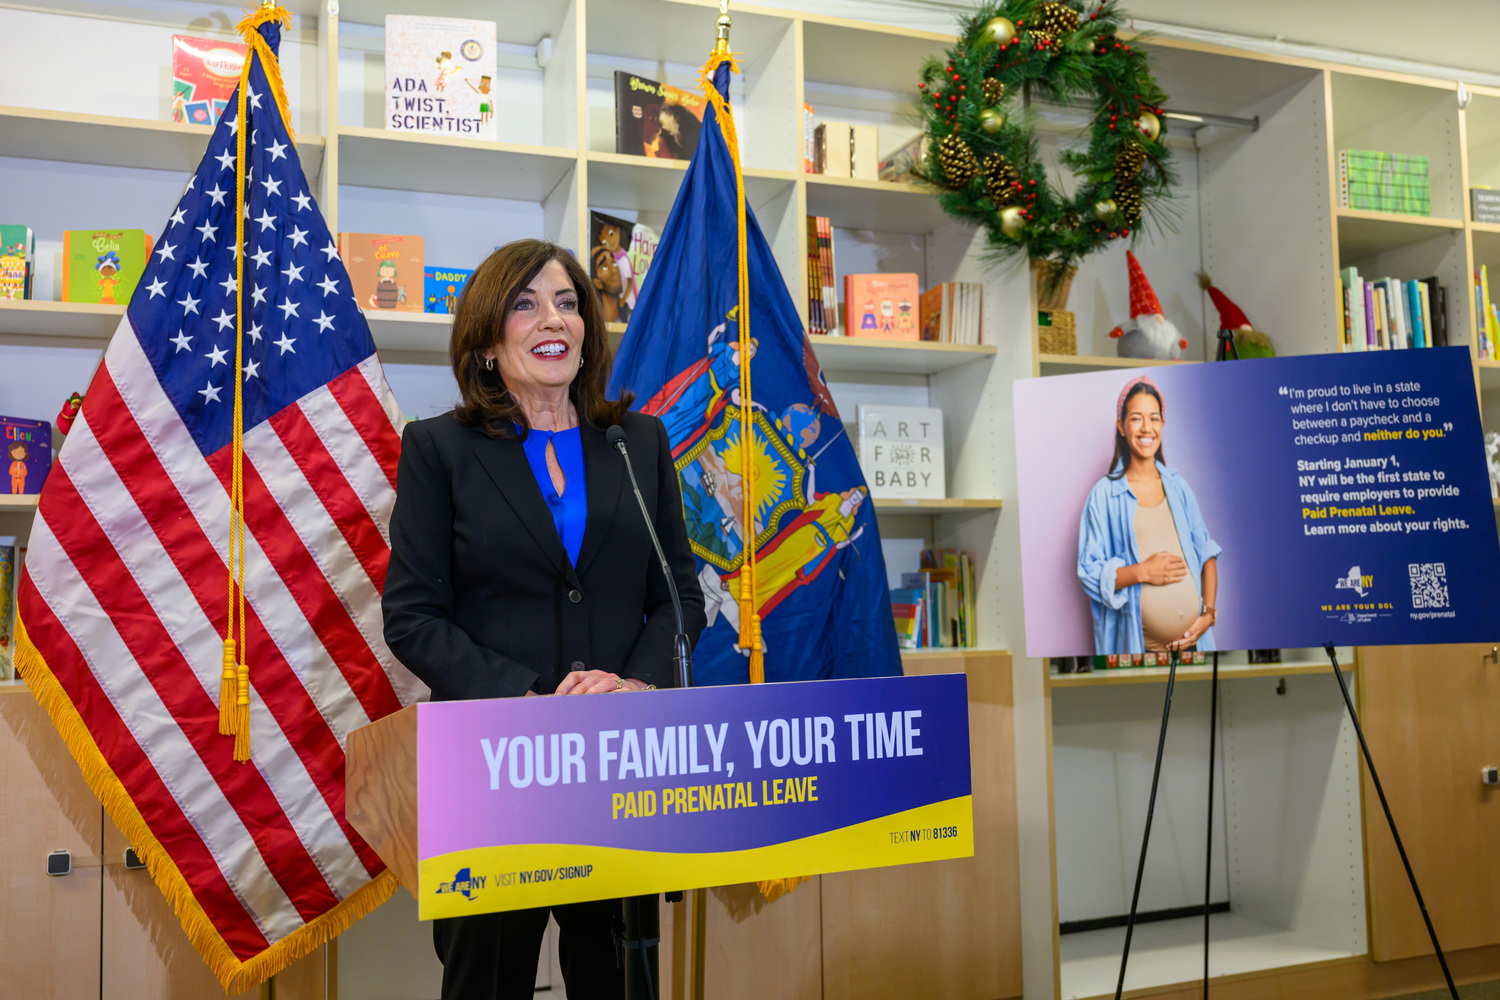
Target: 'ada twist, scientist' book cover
(439, 75)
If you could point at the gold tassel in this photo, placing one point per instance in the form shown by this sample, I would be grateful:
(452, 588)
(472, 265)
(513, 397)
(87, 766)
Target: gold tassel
(242, 716)
(227, 691)
(757, 655)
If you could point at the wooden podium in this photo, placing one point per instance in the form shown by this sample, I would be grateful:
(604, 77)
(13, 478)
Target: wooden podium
(483, 806)
(380, 797)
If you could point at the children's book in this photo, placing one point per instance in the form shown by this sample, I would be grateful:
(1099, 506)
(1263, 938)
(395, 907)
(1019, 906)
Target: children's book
(440, 75)
(620, 255)
(385, 270)
(901, 450)
(17, 261)
(103, 265)
(656, 119)
(27, 456)
(205, 72)
(441, 287)
(881, 305)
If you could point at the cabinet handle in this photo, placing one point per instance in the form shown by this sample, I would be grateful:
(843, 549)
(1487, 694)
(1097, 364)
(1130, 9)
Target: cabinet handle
(1493, 655)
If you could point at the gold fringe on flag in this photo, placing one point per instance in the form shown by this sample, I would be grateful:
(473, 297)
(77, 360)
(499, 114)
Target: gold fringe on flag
(234, 975)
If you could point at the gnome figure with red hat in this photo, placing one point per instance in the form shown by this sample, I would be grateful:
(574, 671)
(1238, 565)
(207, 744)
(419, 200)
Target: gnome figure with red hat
(1248, 341)
(1148, 334)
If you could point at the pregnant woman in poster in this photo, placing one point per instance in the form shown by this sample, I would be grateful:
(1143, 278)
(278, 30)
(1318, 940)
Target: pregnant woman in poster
(1145, 557)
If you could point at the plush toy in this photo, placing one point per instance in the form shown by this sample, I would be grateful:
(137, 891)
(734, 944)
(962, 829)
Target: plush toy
(1148, 333)
(1248, 342)
(68, 412)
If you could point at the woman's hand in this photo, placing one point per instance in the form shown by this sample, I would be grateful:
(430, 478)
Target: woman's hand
(598, 682)
(1161, 569)
(1194, 632)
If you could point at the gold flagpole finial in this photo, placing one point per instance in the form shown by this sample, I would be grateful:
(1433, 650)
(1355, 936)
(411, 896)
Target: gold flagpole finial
(721, 47)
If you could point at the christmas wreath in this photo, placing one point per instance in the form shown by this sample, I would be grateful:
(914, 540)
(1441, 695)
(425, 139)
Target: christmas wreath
(983, 149)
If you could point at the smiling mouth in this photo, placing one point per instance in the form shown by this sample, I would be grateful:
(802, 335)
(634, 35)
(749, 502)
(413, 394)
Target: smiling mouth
(550, 349)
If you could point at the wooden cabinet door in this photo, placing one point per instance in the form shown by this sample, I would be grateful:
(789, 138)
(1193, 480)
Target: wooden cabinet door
(49, 925)
(1432, 717)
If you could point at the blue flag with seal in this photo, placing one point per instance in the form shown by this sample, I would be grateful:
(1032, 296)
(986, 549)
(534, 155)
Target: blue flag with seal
(806, 598)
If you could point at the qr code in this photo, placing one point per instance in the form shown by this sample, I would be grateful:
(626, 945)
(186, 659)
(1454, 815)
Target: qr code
(1429, 585)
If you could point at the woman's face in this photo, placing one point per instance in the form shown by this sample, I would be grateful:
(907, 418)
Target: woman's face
(1142, 426)
(543, 333)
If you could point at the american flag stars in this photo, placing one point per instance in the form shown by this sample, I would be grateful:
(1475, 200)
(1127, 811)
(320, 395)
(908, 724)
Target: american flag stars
(301, 325)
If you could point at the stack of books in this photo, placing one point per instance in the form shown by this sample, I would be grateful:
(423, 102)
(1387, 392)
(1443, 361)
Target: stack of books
(1384, 182)
(1486, 317)
(822, 294)
(951, 312)
(1389, 313)
(934, 607)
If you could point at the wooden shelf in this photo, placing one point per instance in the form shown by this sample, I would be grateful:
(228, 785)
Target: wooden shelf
(681, 32)
(416, 333)
(921, 654)
(24, 504)
(1196, 672)
(648, 184)
(918, 357)
(1171, 952)
(901, 505)
(37, 318)
(847, 53)
(414, 161)
(885, 206)
(1086, 362)
(522, 23)
(1362, 234)
(1489, 373)
(119, 142)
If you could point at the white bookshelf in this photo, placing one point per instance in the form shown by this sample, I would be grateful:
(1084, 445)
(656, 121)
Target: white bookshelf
(1258, 211)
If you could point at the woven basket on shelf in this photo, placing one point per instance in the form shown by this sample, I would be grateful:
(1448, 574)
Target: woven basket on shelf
(1058, 331)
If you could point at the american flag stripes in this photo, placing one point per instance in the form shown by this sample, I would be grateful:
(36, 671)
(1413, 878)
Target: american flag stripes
(123, 601)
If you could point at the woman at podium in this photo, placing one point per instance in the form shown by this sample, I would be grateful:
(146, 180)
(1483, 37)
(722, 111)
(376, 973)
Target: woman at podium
(521, 565)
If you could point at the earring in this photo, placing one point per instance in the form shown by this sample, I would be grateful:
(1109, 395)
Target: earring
(489, 364)
(580, 358)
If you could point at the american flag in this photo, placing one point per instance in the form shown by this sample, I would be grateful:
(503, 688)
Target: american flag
(123, 603)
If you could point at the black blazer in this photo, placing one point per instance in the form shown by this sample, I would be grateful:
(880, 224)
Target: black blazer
(480, 598)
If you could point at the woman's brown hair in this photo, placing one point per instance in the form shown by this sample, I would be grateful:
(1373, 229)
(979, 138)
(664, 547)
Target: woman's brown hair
(479, 324)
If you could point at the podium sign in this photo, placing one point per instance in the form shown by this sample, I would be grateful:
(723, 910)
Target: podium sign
(510, 803)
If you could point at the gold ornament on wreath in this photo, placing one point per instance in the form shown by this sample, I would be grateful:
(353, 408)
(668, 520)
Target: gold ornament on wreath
(984, 152)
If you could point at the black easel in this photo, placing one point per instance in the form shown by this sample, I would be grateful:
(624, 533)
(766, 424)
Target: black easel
(1225, 350)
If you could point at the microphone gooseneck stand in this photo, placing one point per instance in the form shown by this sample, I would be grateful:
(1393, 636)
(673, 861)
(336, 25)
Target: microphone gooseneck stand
(642, 917)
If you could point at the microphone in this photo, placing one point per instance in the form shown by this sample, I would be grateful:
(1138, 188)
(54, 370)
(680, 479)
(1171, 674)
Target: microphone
(684, 652)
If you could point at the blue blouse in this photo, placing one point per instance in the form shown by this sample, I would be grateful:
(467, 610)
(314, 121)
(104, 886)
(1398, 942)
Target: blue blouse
(1106, 543)
(570, 510)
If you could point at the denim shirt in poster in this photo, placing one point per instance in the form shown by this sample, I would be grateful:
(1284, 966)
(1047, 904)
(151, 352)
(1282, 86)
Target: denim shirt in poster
(1106, 543)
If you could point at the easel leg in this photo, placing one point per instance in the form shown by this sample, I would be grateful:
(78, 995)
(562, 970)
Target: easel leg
(1390, 820)
(1208, 851)
(1140, 870)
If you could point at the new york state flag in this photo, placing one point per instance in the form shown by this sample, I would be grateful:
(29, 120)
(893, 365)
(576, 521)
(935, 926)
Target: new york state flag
(820, 580)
